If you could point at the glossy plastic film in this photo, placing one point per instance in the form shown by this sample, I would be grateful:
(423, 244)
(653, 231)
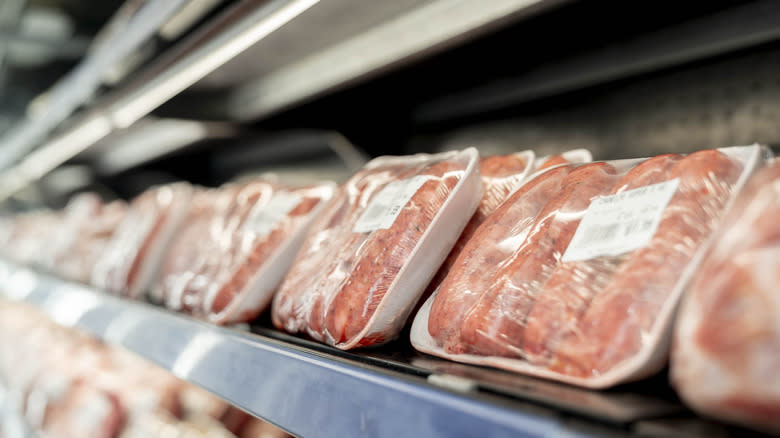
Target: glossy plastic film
(135, 251)
(235, 247)
(501, 176)
(535, 292)
(572, 156)
(77, 257)
(376, 246)
(726, 350)
(26, 235)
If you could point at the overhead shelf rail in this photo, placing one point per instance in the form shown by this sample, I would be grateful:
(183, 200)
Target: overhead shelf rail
(436, 24)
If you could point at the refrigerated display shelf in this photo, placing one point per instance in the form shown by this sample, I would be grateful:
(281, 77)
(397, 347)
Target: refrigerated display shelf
(311, 389)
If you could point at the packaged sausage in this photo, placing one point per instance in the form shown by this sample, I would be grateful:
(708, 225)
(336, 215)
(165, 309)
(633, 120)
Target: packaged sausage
(257, 428)
(726, 350)
(376, 246)
(572, 156)
(501, 176)
(28, 236)
(80, 209)
(130, 261)
(576, 276)
(80, 410)
(162, 424)
(75, 257)
(236, 246)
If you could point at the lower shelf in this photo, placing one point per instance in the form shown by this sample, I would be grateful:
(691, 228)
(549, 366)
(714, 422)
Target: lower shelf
(314, 390)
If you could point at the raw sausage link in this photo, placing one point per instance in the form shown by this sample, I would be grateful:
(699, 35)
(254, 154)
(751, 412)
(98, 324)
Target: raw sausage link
(325, 251)
(495, 325)
(331, 253)
(493, 243)
(570, 289)
(383, 255)
(246, 263)
(612, 328)
(328, 293)
(501, 175)
(553, 161)
(220, 253)
(189, 247)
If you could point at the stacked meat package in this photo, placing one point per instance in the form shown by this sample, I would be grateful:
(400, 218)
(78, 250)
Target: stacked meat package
(726, 354)
(587, 263)
(68, 384)
(374, 249)
(235, 247)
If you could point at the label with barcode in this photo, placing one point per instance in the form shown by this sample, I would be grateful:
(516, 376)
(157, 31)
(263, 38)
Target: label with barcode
(388, 203)
(266, 217)
(616, 224)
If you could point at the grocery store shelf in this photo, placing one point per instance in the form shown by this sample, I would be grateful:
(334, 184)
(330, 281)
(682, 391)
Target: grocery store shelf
(313, 390)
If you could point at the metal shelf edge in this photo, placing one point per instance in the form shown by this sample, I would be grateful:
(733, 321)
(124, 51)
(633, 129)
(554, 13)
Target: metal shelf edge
(303, 391)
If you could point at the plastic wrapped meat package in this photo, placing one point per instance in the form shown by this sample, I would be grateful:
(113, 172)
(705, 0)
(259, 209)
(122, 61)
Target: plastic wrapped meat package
(28, 234)
(87, 227)
(726, 350)
(80, 209)
(49, 387)
(501, 175)
(577, 275)
(132, 257)
(67, 383)
(568, 157)
(235, 247)
(373, 250)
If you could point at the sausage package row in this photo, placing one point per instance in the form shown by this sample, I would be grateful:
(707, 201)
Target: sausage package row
(371, 253)
(577, 275)
(235, 246)
(726, 350)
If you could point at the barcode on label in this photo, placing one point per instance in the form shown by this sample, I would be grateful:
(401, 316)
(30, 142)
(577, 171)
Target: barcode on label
(616, 224)
(388, 203)
(599, 233)
(266, 217)
(611, 232)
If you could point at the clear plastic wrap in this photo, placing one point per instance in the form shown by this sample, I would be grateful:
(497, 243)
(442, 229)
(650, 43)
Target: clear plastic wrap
(236, 246)
(134, 253)
(726, 350)
(589, 264)
(162, 424)
(501, 176)
(80, 209)
(28, 235)
(374, 249)
(568, 157)
(77, 257)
